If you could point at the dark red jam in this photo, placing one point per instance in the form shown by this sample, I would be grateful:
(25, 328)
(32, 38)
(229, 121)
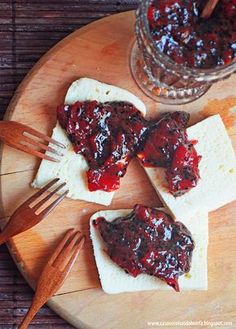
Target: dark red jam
(148, 241)
(107, 135)
(178, 31)
(167, 145)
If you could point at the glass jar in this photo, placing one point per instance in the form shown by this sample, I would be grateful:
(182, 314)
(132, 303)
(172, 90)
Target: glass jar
(159, 76)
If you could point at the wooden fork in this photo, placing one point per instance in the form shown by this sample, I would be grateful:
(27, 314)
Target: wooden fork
(27, 216)
(55, 272)
(22, 137)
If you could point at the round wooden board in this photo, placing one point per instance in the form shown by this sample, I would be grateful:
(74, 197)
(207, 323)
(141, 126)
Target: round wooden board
(101, 51)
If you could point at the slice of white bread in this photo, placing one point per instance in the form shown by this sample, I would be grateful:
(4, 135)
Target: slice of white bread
(72, 167)
(217, 185)
(115, 280)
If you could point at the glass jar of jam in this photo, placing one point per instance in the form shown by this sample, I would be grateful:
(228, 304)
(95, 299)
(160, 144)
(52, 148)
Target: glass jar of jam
(178, 55)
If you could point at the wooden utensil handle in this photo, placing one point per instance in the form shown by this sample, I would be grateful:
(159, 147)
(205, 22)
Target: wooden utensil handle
(2, 130)
(6, 235)
(3, 238)
(35, 306)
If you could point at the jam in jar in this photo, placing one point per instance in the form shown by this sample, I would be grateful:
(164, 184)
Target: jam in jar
(179, 31)
(178, 54)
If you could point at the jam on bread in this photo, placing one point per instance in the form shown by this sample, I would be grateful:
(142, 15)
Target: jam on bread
(167, 146)
(148, 241)
(107, 135)
(110, 134)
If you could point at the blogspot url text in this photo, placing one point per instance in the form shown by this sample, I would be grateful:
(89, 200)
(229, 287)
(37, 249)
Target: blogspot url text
(203, 323)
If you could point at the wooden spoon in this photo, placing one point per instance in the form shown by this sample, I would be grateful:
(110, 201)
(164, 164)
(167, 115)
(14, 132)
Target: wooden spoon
(209, 8)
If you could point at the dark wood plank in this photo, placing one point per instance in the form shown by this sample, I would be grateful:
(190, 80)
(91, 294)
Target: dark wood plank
(16, 296)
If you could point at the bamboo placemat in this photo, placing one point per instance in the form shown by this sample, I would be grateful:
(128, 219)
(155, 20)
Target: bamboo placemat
(27, 30)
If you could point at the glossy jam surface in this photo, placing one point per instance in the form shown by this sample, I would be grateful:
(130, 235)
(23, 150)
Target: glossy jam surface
(178, 31)
(107, 135)
(148, 241)
(167, 145)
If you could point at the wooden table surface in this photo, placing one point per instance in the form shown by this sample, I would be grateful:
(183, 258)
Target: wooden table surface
(28, 29)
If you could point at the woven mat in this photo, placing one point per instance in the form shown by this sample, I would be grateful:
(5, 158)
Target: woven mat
(27, 30)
